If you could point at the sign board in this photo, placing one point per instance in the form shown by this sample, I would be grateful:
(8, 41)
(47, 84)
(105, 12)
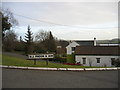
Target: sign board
(41, 56)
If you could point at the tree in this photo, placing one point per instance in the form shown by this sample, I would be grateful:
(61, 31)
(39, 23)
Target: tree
(42, 36)
(8, 21)
(28, 42)
(9, 41)
(20, 45)
(46, 41)
(41, 41)
(51, 43)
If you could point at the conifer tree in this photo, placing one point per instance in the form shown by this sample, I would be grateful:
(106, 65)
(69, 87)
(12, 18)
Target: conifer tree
(51, 43)
(28, 42)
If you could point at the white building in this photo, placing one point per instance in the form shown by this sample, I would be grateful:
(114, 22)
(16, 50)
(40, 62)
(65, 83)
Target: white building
(96, 55)
(71, 47)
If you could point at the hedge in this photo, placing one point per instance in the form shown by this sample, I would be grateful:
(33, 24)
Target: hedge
(70, 58)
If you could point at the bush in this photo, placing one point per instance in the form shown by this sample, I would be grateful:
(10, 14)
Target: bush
(63, 59)
(19, 46)
(60, 59)
(116, 62)
(70, 58)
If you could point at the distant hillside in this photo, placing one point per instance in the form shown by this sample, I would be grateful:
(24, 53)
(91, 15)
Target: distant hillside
(113, 41)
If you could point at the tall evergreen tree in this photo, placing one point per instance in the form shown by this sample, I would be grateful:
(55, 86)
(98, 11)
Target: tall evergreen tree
(28, 42)
(51, 43)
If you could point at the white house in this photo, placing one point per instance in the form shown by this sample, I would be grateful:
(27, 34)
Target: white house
(96, 55)
(71, 47)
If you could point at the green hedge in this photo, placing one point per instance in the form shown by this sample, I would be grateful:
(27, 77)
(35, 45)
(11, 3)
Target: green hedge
(60, 59)
(70, 58)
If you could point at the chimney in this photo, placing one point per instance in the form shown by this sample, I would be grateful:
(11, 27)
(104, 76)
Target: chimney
(95, 42)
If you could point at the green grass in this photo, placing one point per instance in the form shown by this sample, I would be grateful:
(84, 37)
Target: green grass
(0, 58)
(15, 61)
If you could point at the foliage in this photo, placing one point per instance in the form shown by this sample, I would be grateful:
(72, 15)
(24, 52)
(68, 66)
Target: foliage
(63, 43)
(39, 48)
(116, 62)
(8, 20)
(46, 42)
(51, 43)
(60, 59)
(28, 42)
(20, 45)
(70, 58)
(9, 41)
(42, 36)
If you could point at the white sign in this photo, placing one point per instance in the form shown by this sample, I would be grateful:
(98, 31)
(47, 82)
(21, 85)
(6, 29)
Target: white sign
(41, 56)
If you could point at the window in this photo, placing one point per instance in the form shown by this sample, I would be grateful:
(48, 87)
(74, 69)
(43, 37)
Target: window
(98, 60)
(73, 48)
(84, 60)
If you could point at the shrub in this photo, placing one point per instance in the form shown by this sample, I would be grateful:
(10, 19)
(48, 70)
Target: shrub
(116, 62)
(70, 58)
(60, 59)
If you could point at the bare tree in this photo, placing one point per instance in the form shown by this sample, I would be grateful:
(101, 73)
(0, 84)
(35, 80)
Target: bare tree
(42, 36)
(46, 40)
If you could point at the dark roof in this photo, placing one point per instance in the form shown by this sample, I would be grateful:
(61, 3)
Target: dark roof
(86, 43)
(97, 50)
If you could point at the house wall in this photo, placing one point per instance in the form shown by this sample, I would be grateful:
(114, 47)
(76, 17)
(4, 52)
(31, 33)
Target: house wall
(104, 60)
(69, 47)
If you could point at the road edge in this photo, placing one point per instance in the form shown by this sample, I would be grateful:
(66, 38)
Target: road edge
(59, 69)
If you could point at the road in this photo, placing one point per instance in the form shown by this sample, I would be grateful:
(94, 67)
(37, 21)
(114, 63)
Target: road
(17, 78)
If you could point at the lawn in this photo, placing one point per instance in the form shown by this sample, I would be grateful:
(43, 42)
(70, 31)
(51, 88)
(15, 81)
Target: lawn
(15, 61)
(0, 58)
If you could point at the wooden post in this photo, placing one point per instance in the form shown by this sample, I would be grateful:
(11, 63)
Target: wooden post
(34, 61)
(47, 59)
(47, 62)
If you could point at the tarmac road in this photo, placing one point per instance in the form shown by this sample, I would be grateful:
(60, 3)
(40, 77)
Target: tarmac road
(17, 78)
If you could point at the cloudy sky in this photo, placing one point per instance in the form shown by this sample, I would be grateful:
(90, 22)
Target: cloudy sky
(67, 20)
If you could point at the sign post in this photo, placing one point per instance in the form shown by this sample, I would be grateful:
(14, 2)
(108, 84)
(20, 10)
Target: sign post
(40, 56)
(47, 62)
(34, 61)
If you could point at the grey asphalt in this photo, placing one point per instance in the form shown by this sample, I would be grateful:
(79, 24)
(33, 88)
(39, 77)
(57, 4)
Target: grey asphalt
(17, 78)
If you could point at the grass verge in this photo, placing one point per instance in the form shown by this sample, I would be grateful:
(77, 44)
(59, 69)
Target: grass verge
(15, 61)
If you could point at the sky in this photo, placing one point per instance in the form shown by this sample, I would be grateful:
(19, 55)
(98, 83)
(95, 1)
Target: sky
(67, 20)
